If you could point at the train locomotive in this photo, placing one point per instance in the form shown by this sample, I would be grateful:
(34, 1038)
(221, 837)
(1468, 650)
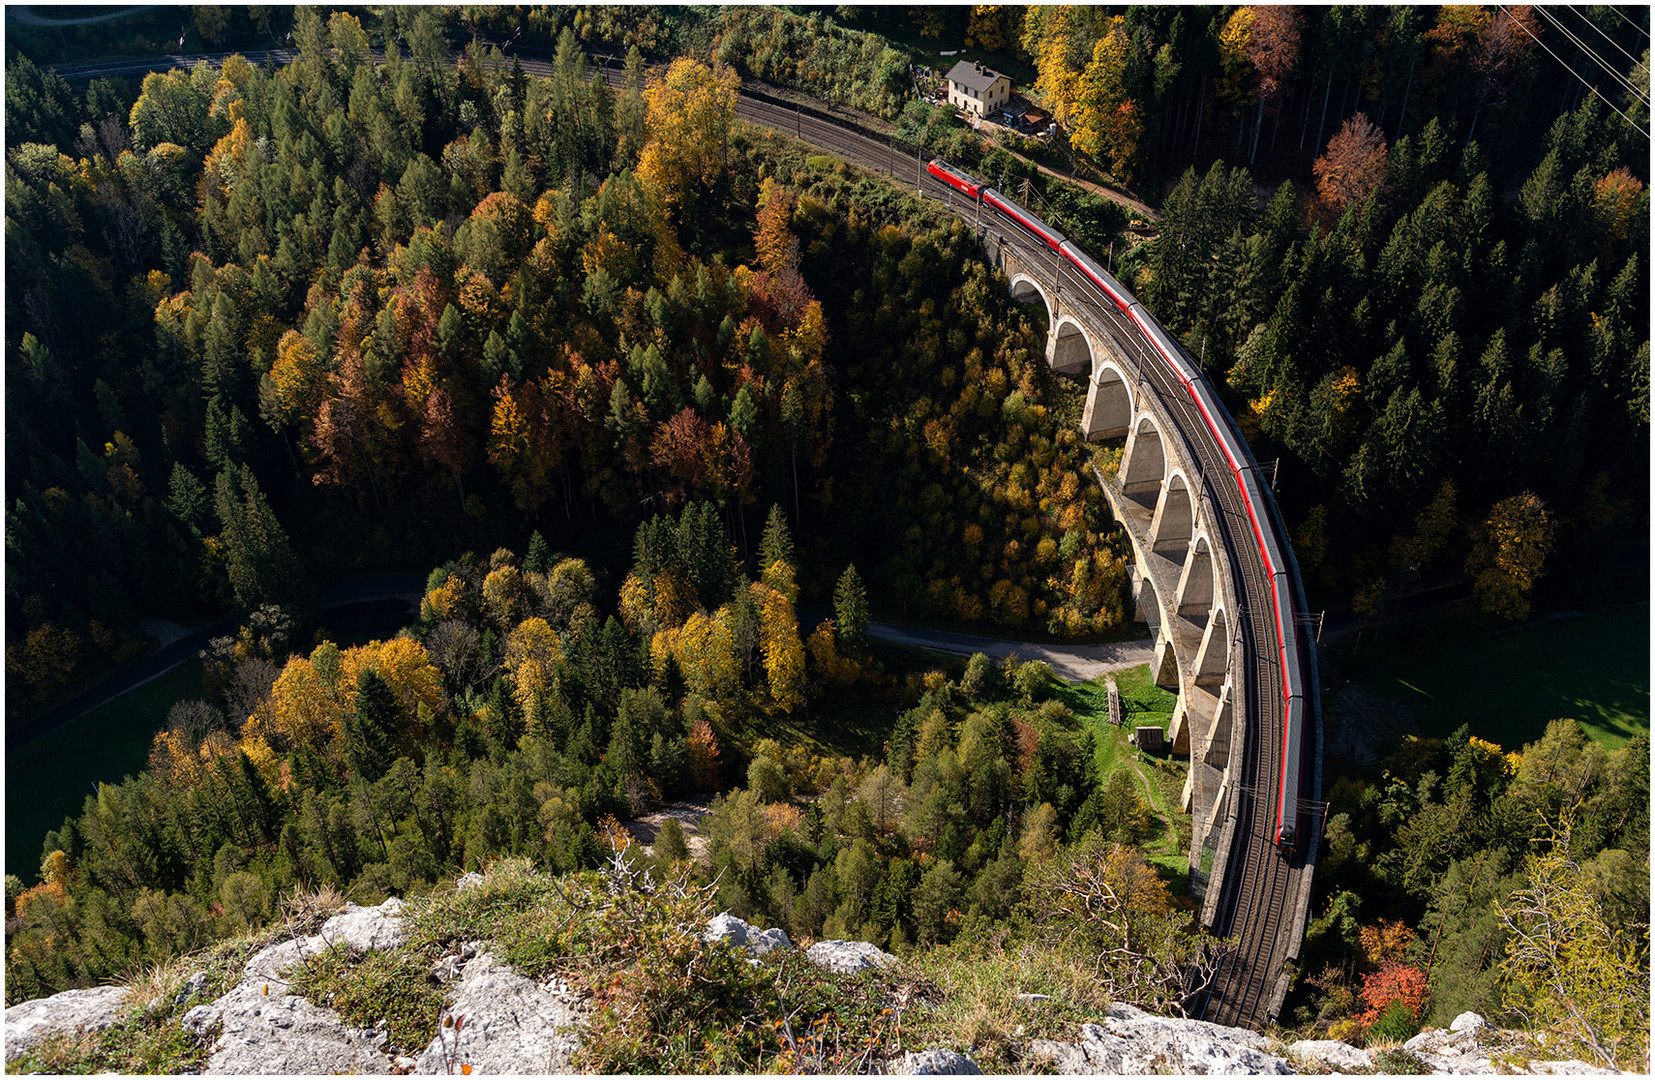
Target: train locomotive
(1245, 472)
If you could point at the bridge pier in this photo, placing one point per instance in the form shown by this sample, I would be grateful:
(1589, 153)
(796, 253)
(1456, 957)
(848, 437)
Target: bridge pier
(1185, 587)
(1180, 576)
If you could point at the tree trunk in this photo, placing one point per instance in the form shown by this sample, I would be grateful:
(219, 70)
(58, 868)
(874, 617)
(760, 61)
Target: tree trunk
(1402, 114)
(1321, 125)
(1200, 110)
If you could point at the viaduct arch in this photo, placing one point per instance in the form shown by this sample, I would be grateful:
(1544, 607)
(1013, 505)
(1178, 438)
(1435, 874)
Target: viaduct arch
(1190, 590)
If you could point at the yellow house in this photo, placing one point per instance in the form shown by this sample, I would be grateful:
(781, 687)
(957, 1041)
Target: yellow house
(977, 89)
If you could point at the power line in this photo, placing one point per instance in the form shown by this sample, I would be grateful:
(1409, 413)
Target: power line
(1584, 18)
(1621, 80)
(1629, 22)
(1576, 74)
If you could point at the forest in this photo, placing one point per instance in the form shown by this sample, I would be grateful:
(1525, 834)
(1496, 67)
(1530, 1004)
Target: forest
(644, 384)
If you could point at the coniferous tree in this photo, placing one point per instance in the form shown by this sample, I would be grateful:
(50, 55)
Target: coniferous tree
(367, 732)
(850, 609)
(777, 544)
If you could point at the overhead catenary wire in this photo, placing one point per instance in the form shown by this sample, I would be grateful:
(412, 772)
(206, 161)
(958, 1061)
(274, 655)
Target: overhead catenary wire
(1576, 74)
(1628, 22)
(1606, 37)
(1621, 80)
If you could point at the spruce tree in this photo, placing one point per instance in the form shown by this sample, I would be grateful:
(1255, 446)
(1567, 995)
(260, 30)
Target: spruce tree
(367, 742)
(777, 545)
(538, 557)
(850, 609)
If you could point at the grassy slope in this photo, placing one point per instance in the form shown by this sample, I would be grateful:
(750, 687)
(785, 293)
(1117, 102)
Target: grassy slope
(1508, 686)
(1160, 777)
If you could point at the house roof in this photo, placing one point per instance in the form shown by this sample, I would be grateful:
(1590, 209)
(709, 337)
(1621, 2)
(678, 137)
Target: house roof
(973, 76)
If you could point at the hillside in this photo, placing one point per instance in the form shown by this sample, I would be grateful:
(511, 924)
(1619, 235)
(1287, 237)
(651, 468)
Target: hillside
(512, 972)
(666, 408)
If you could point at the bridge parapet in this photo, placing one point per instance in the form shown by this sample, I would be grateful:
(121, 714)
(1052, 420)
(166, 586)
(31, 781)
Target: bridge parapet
(1184, 583)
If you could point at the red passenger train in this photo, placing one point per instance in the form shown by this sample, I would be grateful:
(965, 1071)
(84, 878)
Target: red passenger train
(1271, 547)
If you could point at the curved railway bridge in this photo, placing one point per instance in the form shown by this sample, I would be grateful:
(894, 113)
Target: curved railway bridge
(1199, 580)
(1200, 583)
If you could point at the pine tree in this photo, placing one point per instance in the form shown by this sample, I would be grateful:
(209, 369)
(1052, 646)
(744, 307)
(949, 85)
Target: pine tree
(262, 566)
(539, 557)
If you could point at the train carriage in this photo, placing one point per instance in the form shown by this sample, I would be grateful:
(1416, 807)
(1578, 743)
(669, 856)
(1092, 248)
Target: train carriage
(1257, 502)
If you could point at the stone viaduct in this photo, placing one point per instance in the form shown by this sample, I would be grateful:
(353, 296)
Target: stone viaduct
(1184, 583)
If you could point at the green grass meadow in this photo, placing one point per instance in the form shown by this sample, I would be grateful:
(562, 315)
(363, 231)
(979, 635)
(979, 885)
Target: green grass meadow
(1509, 685)
(1160, 776)
(50, 778)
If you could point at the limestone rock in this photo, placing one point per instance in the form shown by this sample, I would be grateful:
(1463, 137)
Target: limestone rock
(1568, 1068)
(199, 1021)
(847, 957)
(1332, 1053)
(1473, 1048)
(281, 1033)
(1131, 1041)
(934, 1062)
(726, 927)
(1467, 1021)
(368, 929)
(468, 880)
(264, 1029)
(508, 1024)
(92, 1009)
(192, 986)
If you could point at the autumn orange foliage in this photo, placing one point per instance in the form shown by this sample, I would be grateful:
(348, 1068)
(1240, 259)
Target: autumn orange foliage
(1393, 982)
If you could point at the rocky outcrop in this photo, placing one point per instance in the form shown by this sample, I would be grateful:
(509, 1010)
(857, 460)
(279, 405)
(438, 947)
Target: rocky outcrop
(504, 1023)
(727, 927)
(847, 957)
(261, 1028)
(934, 1062)
(1329, 1053)
(499, 1021)
(278, 1032)
(1470, 1047)
(92, 1009)
(1134, 1042)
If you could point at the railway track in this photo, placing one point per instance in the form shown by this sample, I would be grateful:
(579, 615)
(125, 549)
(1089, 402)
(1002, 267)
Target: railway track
(1257, 888)
(1254, 903)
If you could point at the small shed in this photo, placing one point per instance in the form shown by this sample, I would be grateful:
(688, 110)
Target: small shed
(1152, 739)
(977, 89)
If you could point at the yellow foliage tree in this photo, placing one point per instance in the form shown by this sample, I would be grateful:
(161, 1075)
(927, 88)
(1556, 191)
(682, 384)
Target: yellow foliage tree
(1106, 122)
(825, 658)
(404, 663)
(304, 707)
(707, 656)
(1386, 942)
(173, 760)
(1510, 554)
(690, 113)
(784, 654)
(45, 658)
(532, 655)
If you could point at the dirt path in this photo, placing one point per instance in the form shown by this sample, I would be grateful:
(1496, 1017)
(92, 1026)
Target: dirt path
(687, 812)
